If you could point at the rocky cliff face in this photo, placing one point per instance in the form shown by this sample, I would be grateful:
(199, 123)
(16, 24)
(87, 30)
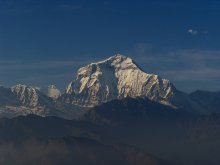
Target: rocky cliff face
(30, 96)
(115, 78)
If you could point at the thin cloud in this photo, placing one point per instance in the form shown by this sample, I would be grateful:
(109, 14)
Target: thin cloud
(183, 67)
(195, 32)
(192, 32)
(205, 74)
(107, 2)
(27, 65)
(39, 73)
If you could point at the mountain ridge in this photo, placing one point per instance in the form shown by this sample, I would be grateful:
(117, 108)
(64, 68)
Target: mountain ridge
(117, 77)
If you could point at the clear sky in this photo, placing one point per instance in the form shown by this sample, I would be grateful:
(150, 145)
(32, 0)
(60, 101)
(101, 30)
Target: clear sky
(43, 42)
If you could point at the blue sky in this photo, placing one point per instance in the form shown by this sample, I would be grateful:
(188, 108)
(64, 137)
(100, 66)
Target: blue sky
(45, 41)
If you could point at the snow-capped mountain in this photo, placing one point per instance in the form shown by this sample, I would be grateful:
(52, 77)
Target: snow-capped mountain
(115, 78)
(24, 100)
(30, 96)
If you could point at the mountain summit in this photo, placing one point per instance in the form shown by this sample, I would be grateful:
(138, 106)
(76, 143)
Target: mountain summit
(115, 78)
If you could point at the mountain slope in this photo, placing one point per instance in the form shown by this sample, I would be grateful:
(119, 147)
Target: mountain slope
(129, 110)
(168, 133)
(208, 100)
(175, 138)
(72, 150)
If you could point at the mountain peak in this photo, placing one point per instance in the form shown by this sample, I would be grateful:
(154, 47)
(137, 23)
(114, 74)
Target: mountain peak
(114, 57)
(117, 57)
(26, 95)
(113, 60)
(115, 78)
(30, 96)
